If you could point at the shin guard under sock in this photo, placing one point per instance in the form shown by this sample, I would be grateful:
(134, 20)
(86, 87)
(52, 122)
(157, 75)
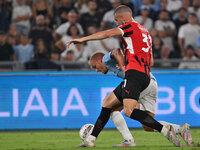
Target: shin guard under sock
(144, 118)
(101, 121)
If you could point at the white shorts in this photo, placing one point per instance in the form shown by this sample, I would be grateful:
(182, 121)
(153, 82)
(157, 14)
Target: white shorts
(148, 97)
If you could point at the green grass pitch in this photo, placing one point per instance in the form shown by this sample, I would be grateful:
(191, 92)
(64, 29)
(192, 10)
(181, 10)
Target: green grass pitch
(69, 139)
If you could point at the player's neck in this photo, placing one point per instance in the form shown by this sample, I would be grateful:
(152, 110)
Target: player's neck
(130, 20)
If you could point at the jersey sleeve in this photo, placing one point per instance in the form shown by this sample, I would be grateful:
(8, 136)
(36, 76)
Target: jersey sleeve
(126, 29)
(173, 27)
(29, 10)
(111, 65)
(107, 59)
(158, 26)
(181, 32)
(62, 28)
(14, 14)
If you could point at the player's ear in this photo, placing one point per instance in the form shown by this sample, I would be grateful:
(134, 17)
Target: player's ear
(101, 60)
(122, 19)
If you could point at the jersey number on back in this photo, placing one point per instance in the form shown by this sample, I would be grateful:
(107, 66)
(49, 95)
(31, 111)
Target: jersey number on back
(147, 40)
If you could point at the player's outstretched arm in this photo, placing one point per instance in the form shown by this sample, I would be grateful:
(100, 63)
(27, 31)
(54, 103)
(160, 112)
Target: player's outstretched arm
(97, 36)
(117, 54)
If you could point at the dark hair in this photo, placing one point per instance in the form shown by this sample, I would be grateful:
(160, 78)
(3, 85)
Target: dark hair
(44, 54)
(55, 51)
(190, 47)
(2, 33)
(26, 35)
(73, 10)
(72, 25)
(182, 8)
(164, 11)
(37, 43)
(92, 1)
(10, 35)
(70, 52)
(193, 14)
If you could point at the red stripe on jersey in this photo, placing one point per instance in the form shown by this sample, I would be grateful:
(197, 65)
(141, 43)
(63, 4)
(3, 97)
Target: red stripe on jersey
(138, 45)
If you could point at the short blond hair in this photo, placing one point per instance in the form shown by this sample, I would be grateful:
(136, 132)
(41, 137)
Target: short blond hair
(96, 56)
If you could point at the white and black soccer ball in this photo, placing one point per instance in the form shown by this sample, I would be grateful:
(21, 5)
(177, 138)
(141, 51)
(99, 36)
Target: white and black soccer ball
(86, 130)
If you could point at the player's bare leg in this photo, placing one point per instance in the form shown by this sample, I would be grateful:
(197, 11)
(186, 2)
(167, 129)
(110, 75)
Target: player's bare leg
(144, 118)
(109, 102)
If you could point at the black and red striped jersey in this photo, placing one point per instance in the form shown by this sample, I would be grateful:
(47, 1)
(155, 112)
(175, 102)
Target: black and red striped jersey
(138, 46)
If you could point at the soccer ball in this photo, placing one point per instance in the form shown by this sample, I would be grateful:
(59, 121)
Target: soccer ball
(85, 131)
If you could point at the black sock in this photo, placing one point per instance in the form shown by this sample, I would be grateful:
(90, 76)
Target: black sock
(101, 121)
(144, 118)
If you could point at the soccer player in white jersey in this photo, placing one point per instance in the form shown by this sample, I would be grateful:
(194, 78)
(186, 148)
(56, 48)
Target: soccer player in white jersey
(147, 100)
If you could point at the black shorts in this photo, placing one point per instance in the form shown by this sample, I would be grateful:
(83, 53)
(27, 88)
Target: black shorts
(134, 83)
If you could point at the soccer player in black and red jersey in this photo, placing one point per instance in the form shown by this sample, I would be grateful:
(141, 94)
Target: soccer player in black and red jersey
(138, 45)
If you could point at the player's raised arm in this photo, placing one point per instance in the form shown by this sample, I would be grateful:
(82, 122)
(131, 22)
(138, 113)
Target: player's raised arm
(97, 36)
(117, 54)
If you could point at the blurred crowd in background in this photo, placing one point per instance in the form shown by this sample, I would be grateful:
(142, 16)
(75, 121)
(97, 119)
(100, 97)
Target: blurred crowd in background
(35, 32)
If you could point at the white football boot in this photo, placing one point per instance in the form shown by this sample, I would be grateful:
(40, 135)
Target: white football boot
(88, 142)
(126, 143)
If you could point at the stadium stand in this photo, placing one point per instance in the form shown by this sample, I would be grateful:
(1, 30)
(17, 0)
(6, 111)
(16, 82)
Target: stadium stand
(174, 26)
